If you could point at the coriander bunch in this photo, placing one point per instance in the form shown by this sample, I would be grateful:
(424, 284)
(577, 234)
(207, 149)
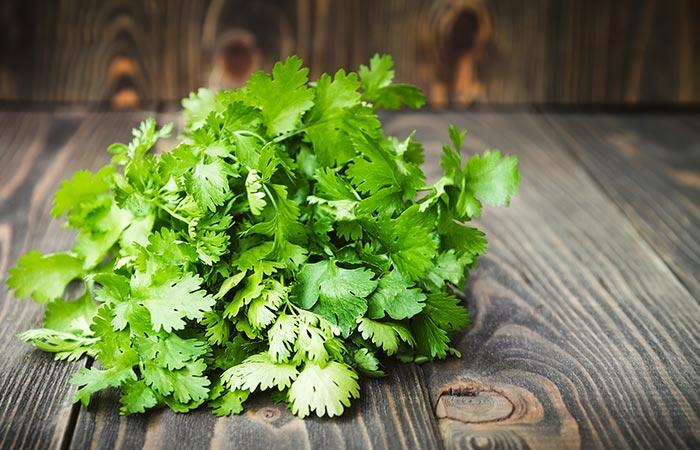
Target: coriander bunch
(285, 244)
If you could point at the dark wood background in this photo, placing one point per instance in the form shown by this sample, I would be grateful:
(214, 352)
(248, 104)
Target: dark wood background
(150, 53)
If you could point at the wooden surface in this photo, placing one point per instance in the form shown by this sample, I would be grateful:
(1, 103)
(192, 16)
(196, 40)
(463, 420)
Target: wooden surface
(128, 53)
(585, 309)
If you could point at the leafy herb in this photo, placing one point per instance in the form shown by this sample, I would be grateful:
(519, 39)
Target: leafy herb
(284, 244)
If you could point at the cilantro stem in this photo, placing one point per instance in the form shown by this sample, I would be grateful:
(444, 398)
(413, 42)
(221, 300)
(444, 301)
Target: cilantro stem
(282, 137)
(249, 133)
(269, 194)
(172, 213)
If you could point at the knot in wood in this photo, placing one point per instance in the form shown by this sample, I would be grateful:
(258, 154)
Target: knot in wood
(469, 405)
(269, 414)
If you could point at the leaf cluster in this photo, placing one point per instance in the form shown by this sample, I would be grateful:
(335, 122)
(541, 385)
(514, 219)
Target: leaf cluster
(284, 244)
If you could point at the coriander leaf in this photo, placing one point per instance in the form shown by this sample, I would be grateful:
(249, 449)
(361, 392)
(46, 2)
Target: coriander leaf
(341, 311)
(173, 352)
(113, 288)
(83, 187)
(325, 278)
(325, 390)
(175, 300)
(445, 310)
(187, 384)
(92, 380)
(325, 122)
(491, 178)
(197, 106)
(411, 243)
(282, 97)
(311, 341)
(447, 268)
(386, 335)
(431, 340)
(64, 344)
(44, 277)
(367, 363)
(259, 372)
(102, 230)
(71, 316)
(256, 198)
(282, 336)
(395, 297)
(337, 293)
(379, 73)
(467, 242)
(208, 184)
(376, 81)
(137, 398)
(229, 402)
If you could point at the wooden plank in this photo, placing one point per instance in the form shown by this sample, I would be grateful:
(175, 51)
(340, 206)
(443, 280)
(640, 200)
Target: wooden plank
(649, 165)
(37, 151)
(393, 412)
(578, 325)
(131, 52)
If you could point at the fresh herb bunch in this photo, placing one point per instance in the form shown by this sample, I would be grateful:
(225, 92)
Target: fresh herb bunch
(285, 244)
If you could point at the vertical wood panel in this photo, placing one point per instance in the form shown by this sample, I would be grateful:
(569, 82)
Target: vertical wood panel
(126, 53)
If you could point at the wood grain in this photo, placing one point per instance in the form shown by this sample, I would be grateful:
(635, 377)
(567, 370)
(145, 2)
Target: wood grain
(577, 321)
(650, 166)
(37, 151)
(129, 53)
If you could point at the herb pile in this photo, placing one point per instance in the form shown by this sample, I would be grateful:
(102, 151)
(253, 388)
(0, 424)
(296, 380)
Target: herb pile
(286, 244)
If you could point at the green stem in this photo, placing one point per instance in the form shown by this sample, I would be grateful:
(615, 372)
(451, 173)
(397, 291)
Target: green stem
(249, 133)
(172, 213)
(283, 137)
(269, 194)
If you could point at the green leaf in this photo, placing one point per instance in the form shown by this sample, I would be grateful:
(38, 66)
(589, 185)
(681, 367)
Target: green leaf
(335, 283)
(395, 297)
(175, 300)
(44, 277)
(376, 81)
(103, 229)
(197, 107)
(137, 398)
(83, 188)
(431, 340)
(283, 97)
(260, 372)
(208, 184)
(335, 293)
(326, 121)
(491, 178)
(411, 243)
(230, 402)
(386, 335)
(92, 380)
(73, 316)
(282, 336)
(256, 198)
(68, 346)
(185, 385)
(367, 363)
(445, 310)
(325, 390)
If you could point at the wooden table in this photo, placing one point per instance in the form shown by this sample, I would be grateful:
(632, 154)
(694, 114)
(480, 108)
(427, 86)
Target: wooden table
(586, 318)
